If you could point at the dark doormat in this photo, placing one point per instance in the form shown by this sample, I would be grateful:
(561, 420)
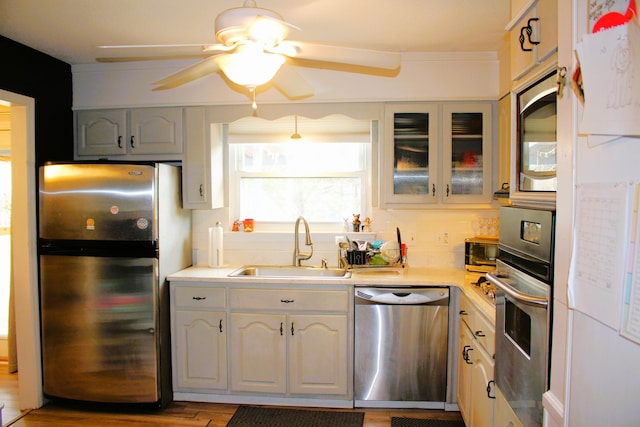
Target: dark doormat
(414, 422)
(251, 416)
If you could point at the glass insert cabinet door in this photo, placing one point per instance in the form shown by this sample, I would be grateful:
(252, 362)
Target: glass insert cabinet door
(466, 134)
(410, 153)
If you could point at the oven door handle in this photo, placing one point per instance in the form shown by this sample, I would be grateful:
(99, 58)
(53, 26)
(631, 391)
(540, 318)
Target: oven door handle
(518, 296)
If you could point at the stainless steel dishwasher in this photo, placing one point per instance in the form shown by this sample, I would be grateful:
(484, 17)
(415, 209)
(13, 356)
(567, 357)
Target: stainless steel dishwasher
(400, 352)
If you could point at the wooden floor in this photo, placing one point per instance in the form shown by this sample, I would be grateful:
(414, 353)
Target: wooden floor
(176, 414)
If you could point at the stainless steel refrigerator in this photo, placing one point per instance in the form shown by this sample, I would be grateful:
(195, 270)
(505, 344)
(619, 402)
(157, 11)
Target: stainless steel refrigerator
(109, 234)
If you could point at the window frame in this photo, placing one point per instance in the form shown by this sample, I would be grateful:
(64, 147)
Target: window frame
(368, 159)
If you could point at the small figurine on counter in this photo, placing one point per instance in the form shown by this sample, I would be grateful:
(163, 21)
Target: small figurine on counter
(367, 225)
(356, 222)
(236, 225)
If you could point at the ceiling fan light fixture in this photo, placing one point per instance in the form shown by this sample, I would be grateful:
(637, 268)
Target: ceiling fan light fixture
(250, 66)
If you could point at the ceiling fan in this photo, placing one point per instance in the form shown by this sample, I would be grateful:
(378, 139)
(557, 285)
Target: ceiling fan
(252, 50)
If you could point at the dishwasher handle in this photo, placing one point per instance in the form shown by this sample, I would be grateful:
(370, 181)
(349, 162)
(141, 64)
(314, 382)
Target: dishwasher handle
(401, 296)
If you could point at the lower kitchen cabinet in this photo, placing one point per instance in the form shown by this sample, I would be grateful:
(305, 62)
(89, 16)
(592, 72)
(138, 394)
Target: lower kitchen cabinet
(505, 416)
(199, 338)
(280, 342)
(309, 350)
(476, 347)
(465, 370)
(204, 365)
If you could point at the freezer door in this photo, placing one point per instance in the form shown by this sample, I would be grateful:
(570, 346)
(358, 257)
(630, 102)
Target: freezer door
(98, 202)
(99, 328)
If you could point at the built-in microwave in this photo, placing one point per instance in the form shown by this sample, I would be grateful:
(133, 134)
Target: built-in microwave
(536, 136)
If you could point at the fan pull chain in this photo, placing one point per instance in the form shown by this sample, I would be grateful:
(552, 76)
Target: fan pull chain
(253, 104)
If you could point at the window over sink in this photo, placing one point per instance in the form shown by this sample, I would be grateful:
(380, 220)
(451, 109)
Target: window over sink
(324, 176)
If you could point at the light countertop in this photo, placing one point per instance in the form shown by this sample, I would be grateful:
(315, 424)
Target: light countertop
(410, 276)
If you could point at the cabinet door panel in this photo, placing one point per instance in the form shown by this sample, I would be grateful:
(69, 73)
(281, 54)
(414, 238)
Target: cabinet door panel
(258, 358)
(523, 55)
(481, 390)
(410, 154)
(101, 132)
(465, 350)
(547, 13)
(466, 153)
(156, 131)
(318, 354)
(201, 350)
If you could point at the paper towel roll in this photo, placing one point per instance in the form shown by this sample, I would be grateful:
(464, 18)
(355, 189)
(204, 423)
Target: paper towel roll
(215, 245)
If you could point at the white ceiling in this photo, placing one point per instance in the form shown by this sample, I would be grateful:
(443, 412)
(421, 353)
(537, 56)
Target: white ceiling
(71, 30)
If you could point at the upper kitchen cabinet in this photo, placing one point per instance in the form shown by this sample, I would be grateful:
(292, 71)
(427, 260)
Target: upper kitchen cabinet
(436, 154)
(202, 173)
(533, 35)
(466, 153)
(136, 134)
(410, 154)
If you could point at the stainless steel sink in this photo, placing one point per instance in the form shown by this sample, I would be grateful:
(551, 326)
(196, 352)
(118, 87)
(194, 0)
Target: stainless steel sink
(291, 271)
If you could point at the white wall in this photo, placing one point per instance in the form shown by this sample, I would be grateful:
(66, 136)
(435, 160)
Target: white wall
(422, 77)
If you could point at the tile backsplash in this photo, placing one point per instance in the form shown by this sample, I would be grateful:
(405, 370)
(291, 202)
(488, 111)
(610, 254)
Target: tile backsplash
(434, 238)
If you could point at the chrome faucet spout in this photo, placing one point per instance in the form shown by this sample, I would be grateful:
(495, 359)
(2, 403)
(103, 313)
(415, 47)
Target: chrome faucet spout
(299, 256)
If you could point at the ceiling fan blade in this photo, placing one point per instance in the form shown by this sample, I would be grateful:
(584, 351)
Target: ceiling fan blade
(345, 55)
(291, 84)
(107, 59)
(201, 69)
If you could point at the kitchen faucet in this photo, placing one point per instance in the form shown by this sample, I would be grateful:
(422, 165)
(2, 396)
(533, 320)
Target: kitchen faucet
(297, 255)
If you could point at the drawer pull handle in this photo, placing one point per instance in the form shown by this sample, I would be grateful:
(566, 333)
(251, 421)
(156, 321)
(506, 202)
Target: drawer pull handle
(199, 298)
(286, 301)
(119, 141)
(480, 334)
(133, 141)
(463, 313)
(220, 326)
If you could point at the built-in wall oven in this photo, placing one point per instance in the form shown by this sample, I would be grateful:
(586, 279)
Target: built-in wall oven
(523, 280)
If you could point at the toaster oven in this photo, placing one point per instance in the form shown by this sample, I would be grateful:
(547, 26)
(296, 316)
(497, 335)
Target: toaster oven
(480, 254)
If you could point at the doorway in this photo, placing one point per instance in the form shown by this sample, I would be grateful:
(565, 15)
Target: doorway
(5, 227)
(23, 252)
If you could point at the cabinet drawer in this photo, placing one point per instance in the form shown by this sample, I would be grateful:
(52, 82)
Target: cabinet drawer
(289, 299)
(484, 332)
(199, 297)
(467, 310)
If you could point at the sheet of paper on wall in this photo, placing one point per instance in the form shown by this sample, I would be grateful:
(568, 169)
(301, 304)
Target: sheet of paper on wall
(611, 79)
(600, 243)
(631, 303)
